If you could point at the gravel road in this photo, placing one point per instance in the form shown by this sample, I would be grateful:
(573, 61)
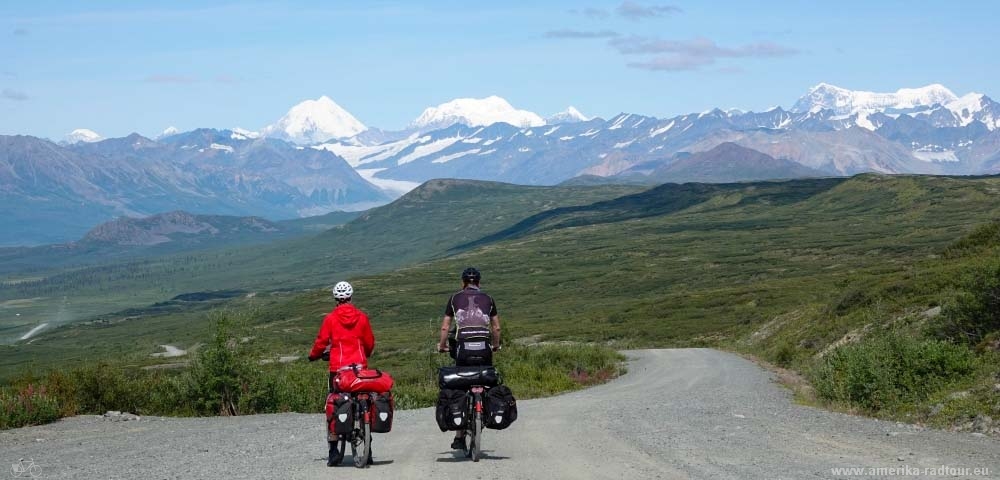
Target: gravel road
(692, 413)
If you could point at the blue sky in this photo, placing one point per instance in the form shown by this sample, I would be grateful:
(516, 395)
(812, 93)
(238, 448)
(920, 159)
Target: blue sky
(119, 67)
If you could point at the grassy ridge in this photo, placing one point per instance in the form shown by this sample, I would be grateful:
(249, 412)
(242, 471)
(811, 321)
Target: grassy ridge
(422, 225)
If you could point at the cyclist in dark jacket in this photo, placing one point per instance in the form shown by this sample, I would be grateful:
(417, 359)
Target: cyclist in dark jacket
(475, 316)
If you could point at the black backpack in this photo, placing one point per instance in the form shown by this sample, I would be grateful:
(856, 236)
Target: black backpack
(474, 351)
(382, 410)
(501, 408)
(472, 334)
(451, 409)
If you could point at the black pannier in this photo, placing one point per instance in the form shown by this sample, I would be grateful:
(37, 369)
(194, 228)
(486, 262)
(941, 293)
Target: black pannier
(342, 418)
(383, 406)
(451, 409)
(465, 377)
(501, 408)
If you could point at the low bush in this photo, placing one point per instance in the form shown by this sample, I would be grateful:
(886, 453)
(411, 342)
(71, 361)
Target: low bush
(30, 405)
(975, 311)
(533, 371)
(983, 237)
(891, 372)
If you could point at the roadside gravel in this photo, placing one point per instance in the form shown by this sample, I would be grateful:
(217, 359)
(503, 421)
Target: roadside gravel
(686, 413)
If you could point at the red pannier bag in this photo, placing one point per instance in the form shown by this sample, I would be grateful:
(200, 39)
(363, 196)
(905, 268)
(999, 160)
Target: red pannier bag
(363, 380)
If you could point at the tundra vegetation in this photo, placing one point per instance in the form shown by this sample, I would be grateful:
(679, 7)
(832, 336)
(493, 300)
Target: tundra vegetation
(881, 291)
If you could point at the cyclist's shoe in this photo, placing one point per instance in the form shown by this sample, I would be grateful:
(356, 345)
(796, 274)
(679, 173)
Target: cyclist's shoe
(458, 443)
(336, 456)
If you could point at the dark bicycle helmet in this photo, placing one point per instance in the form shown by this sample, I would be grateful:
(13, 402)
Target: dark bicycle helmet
(471, 275)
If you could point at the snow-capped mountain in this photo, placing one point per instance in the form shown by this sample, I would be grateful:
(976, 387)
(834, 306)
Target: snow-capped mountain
(171, 130)
(836, 107)
(475, 112)
(847, 102)
(570, 115)
(830, 130)
(244, 134)
(315, 121)
(550, 154)
(82, 135)
(963, 111)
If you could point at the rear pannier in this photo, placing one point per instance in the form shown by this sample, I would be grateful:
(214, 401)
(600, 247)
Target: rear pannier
(383, 406)
(451, 409)
(339, 413)
(501, 408)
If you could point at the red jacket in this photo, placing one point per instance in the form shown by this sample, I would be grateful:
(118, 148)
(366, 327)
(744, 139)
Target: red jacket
(347, 331)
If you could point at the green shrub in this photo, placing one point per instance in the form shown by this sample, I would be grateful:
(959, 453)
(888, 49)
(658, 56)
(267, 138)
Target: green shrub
(852, 298)
(30, 405)
(890, 372)
(975, 311)
(226, 378)
(982, 237)
(548, 369)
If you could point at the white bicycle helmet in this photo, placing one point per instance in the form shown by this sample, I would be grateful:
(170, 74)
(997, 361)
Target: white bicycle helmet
(343, 291)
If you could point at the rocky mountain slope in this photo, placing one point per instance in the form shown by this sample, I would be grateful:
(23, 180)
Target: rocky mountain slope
(53, 194)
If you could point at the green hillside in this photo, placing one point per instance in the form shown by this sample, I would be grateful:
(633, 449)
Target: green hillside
(782, 270)
(423, 224)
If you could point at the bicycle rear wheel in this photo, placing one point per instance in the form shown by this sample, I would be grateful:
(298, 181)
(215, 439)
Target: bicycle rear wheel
(363, 450)
(476, 443)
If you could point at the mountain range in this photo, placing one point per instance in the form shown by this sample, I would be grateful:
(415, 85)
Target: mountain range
(830, 130)
(319, 157)
(167, 233)
(53, 193)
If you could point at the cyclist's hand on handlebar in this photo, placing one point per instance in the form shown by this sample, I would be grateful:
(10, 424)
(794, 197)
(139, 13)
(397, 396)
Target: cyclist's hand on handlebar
(442, 348)
(497, 348)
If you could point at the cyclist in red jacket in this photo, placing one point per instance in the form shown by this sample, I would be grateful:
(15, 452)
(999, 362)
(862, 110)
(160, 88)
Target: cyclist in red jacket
(347, 334)
(345, 331)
